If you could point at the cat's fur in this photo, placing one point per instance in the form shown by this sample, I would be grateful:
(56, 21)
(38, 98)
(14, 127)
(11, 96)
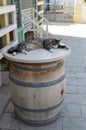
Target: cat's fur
(36, 43)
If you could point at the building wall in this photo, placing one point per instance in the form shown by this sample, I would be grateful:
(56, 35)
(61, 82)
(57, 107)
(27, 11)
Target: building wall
(80, 11)
(8, 2)
(79, 8)
(25, 3)
(83, 13)
(78, 1)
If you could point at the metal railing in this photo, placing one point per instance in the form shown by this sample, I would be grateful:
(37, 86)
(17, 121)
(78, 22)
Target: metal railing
(33, 24)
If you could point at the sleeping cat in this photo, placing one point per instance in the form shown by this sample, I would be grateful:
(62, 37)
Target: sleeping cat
(36, 43)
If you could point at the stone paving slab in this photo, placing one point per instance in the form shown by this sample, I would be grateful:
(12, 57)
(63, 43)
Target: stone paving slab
(10, 108)
(74, 123)
(4, 98)
(6, 120)
(81, 89)
(71, 110)
(75, 99)
(72, 89)
(83, 110)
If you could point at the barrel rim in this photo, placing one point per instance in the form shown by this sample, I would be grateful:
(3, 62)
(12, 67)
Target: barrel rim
(25, 68)
(31, 56)
(39, 122)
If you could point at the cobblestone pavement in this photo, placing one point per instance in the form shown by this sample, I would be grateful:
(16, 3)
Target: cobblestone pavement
(73, 113)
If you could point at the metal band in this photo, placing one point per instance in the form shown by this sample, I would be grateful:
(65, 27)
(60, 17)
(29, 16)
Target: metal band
(37, 85)
(37, 69)
(38, 110)
(38, 122)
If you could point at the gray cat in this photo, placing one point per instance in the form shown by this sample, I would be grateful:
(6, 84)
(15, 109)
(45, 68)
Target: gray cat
(36, 43)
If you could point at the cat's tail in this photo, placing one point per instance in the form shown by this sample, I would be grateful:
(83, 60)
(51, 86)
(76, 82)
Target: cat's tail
(12, 49)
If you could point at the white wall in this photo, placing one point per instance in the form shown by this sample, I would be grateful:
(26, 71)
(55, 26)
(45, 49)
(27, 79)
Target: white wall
(61, 2)
(83, 14)
(78, 1)
(25, 3)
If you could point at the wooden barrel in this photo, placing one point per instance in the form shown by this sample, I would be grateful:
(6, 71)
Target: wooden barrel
(38, 90)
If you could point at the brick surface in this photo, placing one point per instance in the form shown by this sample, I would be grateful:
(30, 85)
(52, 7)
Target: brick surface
(73, 124)
(4, 98)
(6, 120)
(71, 110)
(71, 89)
(75, 98)
(83, 110)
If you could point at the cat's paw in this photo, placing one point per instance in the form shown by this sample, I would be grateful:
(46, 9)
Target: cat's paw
(14, 54)
(66, 48)
(24, 52)
(55, 47)
(51, 50)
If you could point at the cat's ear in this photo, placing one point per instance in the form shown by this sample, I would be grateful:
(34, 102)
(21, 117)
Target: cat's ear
(59, 40)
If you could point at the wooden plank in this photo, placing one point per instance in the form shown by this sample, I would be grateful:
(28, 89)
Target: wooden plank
(4, 22)
(7, 29)
(1, 55)
(7, 9)
(3, 2)
(0, 76)
(13, 43)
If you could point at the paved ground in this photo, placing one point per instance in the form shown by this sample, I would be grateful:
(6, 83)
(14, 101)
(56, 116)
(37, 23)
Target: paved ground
(73, 114)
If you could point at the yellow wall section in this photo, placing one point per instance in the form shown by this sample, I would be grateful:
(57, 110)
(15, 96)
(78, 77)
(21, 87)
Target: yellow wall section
(84, 2)
(2, 2)
(77, 13)
(3, 23)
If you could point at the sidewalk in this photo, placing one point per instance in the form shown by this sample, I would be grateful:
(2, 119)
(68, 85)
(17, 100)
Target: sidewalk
(73, 114)
(67, 29)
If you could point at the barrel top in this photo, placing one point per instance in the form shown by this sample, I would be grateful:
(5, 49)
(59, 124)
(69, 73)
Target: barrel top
(39, 55)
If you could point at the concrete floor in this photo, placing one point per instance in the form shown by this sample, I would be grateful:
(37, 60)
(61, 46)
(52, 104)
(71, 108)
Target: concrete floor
(73, 113)
(67, 29)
